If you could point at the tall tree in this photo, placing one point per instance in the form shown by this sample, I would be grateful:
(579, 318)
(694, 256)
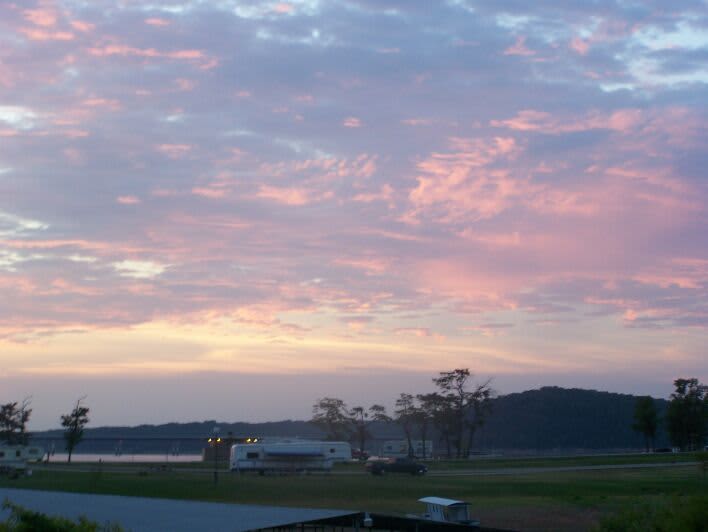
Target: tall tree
(331, 415)
(405, 415)
(463, 410)
(13, 422)
(74, 424)
(646, 420)
(360, 419)
(687, 414)
(424, 416)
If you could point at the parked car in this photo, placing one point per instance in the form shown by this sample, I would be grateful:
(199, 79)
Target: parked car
(397, 465)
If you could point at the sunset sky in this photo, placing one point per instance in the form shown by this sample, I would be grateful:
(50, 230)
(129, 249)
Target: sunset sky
(227, 208)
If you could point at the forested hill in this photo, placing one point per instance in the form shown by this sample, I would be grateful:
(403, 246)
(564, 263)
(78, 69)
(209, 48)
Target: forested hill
(560, 418)
(549, 419)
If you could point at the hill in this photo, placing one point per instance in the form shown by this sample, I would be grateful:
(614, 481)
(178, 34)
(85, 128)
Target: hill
(550, 419)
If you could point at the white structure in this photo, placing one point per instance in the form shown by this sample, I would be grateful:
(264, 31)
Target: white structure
(399, 448)
(15, 457)
(298, 455)
(448, 511)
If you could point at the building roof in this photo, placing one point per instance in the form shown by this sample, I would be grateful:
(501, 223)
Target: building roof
(141, 514)
(441, 501)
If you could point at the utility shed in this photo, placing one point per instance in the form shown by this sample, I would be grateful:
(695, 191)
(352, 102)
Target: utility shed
(448, 510)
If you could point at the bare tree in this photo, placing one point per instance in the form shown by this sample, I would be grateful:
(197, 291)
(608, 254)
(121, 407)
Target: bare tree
(74, 424)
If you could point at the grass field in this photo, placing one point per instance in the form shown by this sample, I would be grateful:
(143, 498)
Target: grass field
(562, 501)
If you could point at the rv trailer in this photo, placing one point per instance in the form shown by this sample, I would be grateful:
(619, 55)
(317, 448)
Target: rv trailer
(14, 458)
(289, 456)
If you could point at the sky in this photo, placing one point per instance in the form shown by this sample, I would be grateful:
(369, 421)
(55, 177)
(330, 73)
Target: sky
(226, 209)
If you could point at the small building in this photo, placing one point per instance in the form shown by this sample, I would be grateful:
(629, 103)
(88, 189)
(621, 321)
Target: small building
(443, 510)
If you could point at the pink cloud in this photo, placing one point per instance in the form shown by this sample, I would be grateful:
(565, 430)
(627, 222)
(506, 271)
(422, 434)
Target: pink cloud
(154, 21)
(41, 17)
(418, 332)
(351, 122)
(519, 48)
(579, 46)
(82, 26)
(283, 8)
(457, 186)
(416, 122)
(209, 192)
(122, 50)
(174, 151)
(385, 193)
(372, 266)
(284, 195)
(36, 34)
(113, 105)
(128, 200)
(623, 120)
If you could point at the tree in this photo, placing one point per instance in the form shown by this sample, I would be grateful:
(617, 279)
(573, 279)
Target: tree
(462, 411)
(405, 416)
(74, 424)
(332, 416)
(13, 422)
(646, 420)
(424, 416)
(361, 418)
(687, 414)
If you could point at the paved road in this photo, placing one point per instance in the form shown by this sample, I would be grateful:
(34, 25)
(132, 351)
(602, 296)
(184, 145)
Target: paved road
(140, 514)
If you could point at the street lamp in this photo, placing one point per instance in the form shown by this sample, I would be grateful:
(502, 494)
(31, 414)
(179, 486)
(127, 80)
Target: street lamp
(215, 441)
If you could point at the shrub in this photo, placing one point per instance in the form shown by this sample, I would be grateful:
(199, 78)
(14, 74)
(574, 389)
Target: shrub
(24, 520)
(680, 514)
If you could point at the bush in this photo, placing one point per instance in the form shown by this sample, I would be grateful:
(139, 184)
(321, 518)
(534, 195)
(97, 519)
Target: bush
(23, 520)
(680, 514)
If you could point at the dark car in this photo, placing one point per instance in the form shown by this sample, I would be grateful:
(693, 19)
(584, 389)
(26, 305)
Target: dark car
(398, 465)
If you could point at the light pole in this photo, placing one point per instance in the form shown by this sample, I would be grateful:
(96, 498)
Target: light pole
(215, 441)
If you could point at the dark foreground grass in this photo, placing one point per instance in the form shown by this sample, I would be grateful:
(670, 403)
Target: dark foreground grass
(549, 501)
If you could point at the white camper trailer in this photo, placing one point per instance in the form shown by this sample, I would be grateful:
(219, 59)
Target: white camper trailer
(15, 457)
(288, 456)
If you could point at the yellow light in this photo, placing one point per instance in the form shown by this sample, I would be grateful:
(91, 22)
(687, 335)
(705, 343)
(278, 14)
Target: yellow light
(248, 440)
(255, 440)
(218, 440)
(209, 440)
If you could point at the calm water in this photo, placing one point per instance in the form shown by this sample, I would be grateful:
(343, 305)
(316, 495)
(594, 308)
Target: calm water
(77, 457)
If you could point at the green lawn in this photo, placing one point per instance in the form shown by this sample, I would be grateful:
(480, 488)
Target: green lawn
(548, 501)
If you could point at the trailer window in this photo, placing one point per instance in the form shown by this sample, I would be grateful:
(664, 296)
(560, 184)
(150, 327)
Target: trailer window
(332, 450)
(18, 453)
(251, 456)
(2, 454)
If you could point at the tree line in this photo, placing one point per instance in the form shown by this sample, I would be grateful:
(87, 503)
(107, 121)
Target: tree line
(14, 417)
(686, 418)
(454, 410)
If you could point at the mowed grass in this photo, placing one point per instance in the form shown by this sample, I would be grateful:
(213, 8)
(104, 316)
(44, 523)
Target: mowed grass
(540, 501)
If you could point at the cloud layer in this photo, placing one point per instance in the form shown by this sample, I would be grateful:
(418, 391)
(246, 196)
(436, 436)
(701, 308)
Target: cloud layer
(305, 186)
